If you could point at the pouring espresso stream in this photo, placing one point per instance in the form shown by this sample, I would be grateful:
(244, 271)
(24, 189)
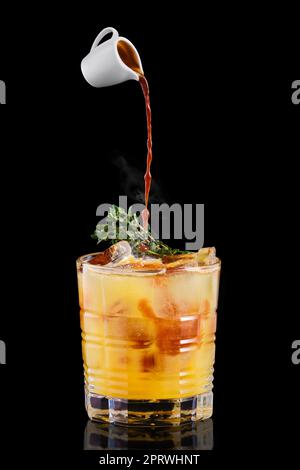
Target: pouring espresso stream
(129, 57)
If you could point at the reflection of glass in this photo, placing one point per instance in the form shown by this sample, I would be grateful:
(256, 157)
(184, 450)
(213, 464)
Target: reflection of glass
(197, 435)
(148, 341)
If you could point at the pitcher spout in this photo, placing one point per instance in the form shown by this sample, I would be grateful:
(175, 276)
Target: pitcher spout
(130, 57)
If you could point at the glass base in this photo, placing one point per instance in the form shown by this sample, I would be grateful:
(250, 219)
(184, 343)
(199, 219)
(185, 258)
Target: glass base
(149, 412)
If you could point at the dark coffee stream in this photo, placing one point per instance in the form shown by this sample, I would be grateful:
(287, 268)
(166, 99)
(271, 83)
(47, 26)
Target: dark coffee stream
(147, 177)
(130, 58)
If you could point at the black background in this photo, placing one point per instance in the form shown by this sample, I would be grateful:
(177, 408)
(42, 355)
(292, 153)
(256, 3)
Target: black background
(225, 134)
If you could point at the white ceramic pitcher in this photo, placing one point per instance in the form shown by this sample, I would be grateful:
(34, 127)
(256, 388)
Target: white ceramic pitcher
(114, 61)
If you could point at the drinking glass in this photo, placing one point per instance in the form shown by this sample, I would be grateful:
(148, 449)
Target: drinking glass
(148, 342)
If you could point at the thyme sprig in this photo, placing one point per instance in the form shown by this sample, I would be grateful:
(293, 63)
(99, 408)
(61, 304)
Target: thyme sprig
(121, 225)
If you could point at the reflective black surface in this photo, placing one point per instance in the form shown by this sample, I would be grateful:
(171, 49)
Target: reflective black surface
(104, 436)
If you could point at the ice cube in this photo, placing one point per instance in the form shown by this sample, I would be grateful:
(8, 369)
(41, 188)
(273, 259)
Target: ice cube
(113, 255)
(206, 256)
(174, 335)
(180, 261)
(118, 308)
(118, 252)
(138, 332)
(142, 263)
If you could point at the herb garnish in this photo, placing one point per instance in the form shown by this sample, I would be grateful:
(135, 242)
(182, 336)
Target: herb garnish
(119, 225)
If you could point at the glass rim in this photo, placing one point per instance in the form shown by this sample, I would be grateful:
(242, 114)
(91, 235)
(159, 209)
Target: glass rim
(83, 261)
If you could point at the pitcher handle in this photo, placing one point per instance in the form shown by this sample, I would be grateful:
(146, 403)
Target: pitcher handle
(103, 33)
